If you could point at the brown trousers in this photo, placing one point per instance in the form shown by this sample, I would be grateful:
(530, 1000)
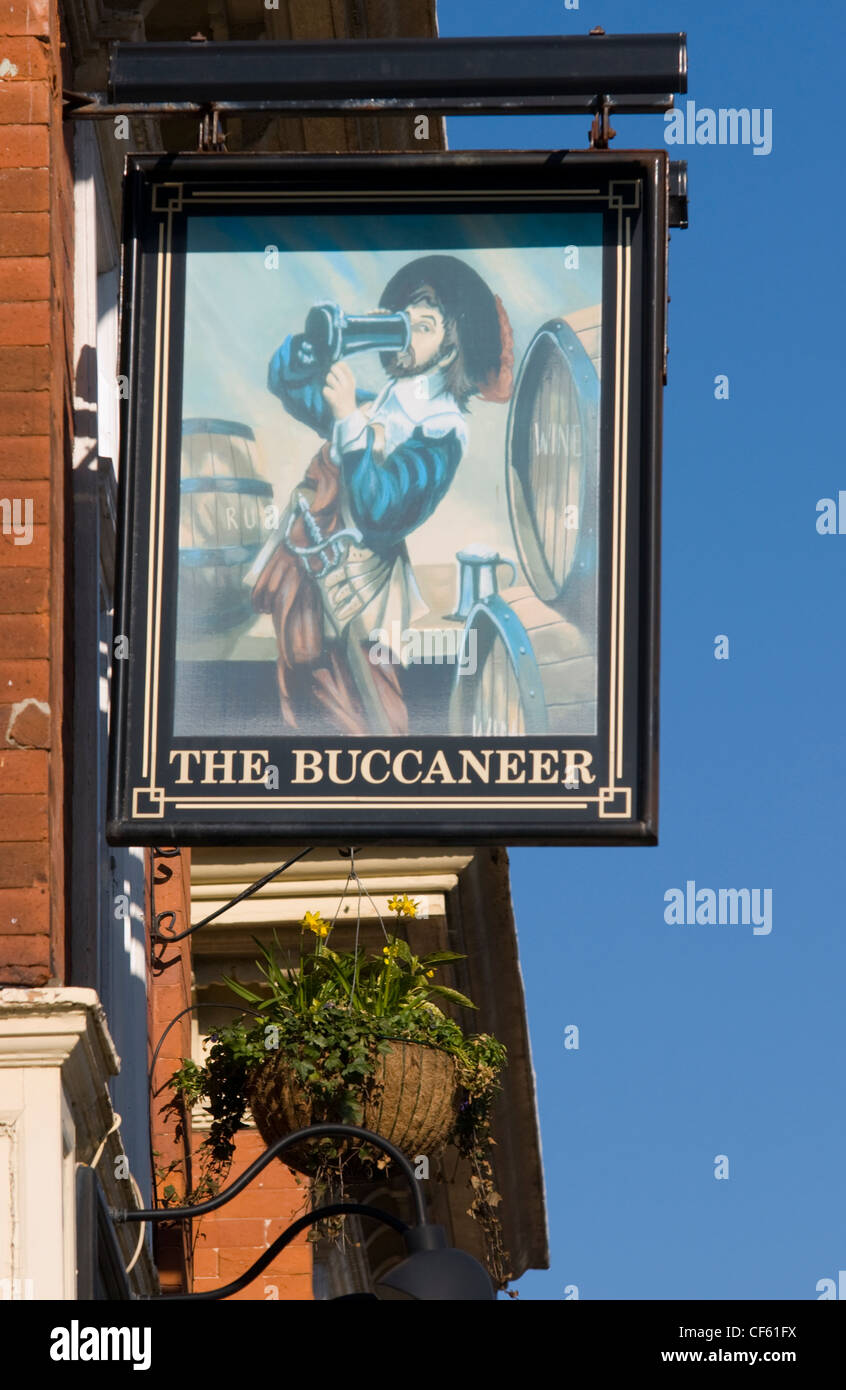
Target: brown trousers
(314, 674)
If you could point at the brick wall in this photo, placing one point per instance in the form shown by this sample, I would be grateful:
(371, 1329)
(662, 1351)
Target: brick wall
(226, 1242)
(169, 890)
(232, 1238)
(36, 332)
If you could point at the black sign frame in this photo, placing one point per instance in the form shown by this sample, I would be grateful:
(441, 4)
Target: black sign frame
(520, 796)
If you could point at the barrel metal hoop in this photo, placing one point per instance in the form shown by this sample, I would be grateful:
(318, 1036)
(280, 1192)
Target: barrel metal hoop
(194, 557)
(247, 487)
(514, 637)
(201, 425)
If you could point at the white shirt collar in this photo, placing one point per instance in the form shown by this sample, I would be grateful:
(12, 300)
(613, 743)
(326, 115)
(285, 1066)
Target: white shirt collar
(416, 402)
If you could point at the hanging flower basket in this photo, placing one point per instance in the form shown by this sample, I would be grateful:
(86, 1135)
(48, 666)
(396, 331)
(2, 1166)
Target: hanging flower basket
(412, 1102)
(349, 1037)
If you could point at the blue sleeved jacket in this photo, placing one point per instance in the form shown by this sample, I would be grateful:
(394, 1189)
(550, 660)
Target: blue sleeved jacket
(388, 497)
(300, 389)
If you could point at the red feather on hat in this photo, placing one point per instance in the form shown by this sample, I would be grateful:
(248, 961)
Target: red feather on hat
(499, 384)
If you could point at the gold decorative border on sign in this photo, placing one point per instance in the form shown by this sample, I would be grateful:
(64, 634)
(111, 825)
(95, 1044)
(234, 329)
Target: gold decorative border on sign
(148, 803)
(624, 193)
(167, 197)
(613, 802)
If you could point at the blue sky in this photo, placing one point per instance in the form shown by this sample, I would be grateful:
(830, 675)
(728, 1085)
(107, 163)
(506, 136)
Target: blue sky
(710, 1040)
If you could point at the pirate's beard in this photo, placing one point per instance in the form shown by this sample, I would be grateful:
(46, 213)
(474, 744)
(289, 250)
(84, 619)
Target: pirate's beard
(402, 364)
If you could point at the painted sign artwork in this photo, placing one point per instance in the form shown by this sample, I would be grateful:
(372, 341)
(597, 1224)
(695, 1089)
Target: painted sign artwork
(387, 550)
(388, 483)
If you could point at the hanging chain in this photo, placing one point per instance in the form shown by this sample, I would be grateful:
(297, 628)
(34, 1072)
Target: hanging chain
(353, 878)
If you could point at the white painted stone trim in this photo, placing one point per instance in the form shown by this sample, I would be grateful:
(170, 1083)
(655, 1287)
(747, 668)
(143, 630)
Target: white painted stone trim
(56, 1057)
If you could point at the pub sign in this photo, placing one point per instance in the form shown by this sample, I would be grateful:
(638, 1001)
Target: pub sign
(389, 499)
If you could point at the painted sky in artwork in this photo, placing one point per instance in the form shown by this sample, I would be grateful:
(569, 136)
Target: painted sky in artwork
(238, 311)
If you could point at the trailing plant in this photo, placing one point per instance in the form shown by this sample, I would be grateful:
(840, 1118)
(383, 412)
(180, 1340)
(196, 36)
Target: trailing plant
(331, 1014)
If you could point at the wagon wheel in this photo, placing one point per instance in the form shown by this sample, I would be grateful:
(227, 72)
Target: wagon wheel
(551, 467)
(524, 669)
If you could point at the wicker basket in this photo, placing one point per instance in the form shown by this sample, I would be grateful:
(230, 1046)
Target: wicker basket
(414, 1106)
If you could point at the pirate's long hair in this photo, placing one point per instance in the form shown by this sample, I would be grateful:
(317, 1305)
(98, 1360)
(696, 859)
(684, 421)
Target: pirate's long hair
(475, 324)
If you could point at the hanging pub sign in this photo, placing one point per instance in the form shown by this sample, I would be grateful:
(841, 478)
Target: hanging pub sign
(389, 520)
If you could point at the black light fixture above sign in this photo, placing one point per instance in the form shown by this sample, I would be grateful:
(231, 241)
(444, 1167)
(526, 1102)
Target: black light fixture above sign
(545, 74)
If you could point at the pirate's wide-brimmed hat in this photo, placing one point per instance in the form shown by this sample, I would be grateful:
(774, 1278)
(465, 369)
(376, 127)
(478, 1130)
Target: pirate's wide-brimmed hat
(484, 332)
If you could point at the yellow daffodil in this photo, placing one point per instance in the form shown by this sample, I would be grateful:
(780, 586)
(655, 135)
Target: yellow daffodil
(429, 974)
(403, 905)
(314, 922)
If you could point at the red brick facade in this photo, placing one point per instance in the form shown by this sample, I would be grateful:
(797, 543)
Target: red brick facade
(233, 1238)
(228, 1241)
(36, 337)
(169, 996)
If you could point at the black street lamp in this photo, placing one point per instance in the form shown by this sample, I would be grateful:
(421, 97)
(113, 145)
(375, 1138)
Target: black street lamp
(431, 1269)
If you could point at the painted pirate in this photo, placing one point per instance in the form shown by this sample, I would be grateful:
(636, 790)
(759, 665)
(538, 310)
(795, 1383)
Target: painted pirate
(337, 568)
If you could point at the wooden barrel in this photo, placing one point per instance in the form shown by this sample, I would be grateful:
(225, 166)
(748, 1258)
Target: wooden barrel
(524, 669)
(552, 468)
(221, 523)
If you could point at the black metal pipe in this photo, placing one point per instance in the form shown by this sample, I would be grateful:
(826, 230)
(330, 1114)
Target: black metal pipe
(266, 1258)
(415, 71)
(90, 106)
(275, 1151)
(159, 937)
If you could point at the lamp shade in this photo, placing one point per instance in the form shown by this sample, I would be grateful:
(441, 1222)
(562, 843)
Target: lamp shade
(432, 1270)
